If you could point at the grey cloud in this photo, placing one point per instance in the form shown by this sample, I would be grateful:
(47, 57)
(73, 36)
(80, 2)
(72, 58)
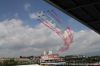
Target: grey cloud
(85, 42)
(21, 39)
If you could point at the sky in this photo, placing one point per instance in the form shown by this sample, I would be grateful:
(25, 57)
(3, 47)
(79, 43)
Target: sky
(22, 35)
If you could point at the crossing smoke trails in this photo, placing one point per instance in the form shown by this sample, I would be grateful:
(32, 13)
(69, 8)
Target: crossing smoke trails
(51, 20)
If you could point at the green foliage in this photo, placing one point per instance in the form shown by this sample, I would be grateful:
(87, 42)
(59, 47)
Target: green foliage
(76, 59)
(10, 62)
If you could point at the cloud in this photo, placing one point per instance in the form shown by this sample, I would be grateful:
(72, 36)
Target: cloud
(85, 42)
(27, 6)
(33, 16)
(21, 39)
(17, 39)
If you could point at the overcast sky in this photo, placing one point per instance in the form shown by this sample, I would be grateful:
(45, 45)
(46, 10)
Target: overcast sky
(21, 35)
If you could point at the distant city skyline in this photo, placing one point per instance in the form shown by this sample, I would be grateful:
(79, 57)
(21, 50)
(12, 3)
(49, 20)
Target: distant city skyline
(22, 36)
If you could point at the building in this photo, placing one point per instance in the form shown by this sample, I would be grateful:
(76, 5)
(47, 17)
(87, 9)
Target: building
(50, 59)
(29, 65)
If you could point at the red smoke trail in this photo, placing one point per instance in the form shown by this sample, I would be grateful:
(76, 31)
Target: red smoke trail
(67, 40)
(50, 26)
(55, 17)
(70, 32)
(63, 49)
(56, 30)
(60, 34)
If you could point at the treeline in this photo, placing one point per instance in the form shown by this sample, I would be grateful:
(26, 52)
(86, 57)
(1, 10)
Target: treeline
(12, 62)
(82, 59)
